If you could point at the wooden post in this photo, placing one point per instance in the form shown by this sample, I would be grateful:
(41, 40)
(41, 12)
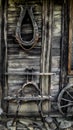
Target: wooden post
(64, 45)
(0, 49)
(5, 41)
(2, 53)
(46, 48)
(3, 50)
(70, 37)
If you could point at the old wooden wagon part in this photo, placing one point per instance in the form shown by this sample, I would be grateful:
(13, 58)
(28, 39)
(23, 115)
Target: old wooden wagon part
(35, 93)
(65, 101)
(27, 45)
(22, 97)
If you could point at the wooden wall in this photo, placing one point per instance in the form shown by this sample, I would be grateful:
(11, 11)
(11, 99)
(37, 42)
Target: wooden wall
(47, 56)
(48, 18)
(18, 59)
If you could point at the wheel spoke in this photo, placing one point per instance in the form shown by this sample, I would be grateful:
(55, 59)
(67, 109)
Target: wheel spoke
(66, 100)
(70, 104)
(69, 94)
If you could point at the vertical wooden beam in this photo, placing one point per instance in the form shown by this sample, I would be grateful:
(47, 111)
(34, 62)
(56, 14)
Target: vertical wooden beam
(0, 50)
(5, 42)
(0, 42)
(66, 24)
(6, 55)
(70, 37)
(46, 47)
(3, 50)
(44, 44)
(61, 49)
(64, 45)
(49, 44)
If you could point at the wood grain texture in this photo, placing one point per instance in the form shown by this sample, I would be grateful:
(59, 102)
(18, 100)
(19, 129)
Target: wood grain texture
(44, 57)
(47, 56)
(19, 60)
(56, 41)
(70, 37)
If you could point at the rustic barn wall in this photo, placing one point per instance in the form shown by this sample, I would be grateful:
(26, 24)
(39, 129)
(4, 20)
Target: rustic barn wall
(18, 61)
(44, 57)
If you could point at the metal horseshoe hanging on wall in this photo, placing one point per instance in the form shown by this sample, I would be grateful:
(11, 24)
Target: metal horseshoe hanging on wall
(26, 45)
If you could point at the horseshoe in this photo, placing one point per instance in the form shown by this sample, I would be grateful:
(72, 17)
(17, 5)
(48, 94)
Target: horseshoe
(26, 45)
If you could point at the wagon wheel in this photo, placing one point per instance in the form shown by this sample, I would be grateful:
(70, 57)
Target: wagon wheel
(65, 101)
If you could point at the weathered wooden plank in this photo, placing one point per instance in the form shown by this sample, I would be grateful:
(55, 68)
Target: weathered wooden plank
(0, 40)
(55, 80)
(55, 62)
(56, 41)
(54, 90)
(0, 48)
(22, 66)
(46, 46)
(44, 42)
(70, 37)
(3, 51)
(22, 56)
(13, 45)
(54, 85)
(55, 52)
(35, 51)
(25, 108)
(64, 46)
